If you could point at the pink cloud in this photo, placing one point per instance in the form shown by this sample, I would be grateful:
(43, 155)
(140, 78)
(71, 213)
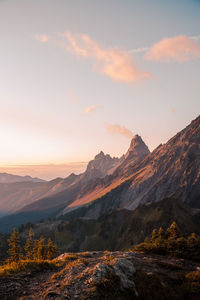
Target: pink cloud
(43, 38)
(116, 64)
(179, 48)
(118, 129)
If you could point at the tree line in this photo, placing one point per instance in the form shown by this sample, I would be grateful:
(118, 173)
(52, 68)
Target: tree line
(34, 249)
(172, 242)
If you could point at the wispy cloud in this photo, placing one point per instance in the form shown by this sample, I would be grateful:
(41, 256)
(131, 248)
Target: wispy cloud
(116, 64)
(90, 109)
(145, 49)
(118, 129)
(179, 48)
(43, 38)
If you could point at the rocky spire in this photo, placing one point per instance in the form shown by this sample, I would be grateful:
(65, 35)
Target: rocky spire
(100, 165)
(137, 148)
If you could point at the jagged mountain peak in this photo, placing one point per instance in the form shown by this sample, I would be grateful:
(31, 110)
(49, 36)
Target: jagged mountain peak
(136, 140)
(137, 147)
(101, 155)
(100, 165)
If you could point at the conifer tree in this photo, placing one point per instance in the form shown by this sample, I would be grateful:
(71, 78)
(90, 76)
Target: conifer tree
(41, 249)
(154, 235)
(160, 240)
(193, 241)
(35, 248)
(161, 233)
(51, 249)
(29, 245)
(15, 250)
(173, 231)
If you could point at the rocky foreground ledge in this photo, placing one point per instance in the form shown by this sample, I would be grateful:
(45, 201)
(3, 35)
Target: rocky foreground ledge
(106, 275)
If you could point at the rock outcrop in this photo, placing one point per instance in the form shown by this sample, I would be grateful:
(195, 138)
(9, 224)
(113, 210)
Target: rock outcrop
(138, 149)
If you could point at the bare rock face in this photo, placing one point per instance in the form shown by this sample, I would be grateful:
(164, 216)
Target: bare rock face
(136, 152)
(119, 268)
(171, 169)
(100, 166)
(137, 149)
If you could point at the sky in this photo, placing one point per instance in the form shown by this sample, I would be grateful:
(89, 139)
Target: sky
(81, 76)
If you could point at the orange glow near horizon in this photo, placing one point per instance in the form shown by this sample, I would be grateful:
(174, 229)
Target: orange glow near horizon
(45, 171)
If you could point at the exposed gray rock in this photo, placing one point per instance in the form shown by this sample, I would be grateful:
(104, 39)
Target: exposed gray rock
(117, 267)
(100, 166)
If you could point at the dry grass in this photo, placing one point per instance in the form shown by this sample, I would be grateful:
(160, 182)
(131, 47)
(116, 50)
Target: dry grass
(24, 266)
(69, 262)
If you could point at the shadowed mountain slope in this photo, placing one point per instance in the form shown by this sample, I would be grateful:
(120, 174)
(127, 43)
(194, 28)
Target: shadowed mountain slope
(118, 229)
(13, 196)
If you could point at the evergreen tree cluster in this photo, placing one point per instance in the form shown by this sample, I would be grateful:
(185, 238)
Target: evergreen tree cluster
(171, 242)
(33, 250)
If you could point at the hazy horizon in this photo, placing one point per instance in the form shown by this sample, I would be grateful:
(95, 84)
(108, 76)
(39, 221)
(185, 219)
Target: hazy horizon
(45, 171)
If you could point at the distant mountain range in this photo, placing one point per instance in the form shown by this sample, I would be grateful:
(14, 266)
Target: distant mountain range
(9, 178)
(138, 177)
(19, 193)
